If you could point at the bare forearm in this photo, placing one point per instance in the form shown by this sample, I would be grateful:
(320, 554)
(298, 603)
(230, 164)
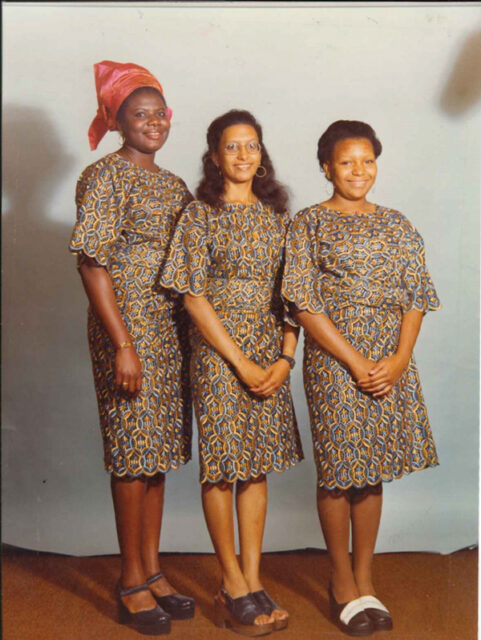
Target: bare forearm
(207, 321)
(98, 286)
(325, 333)
(410, 326)
(289, 344)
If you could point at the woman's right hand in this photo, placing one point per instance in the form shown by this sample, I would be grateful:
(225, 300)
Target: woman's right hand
(361, 367)
(251, 374)
(128, 370)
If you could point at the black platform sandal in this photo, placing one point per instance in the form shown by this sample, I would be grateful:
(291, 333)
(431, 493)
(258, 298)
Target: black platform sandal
(268, 605)
(151, 622)
(179, 607)
(238, 614)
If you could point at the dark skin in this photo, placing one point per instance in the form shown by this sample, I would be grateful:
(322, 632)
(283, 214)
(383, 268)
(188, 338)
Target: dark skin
(138, 503)
(352, 170)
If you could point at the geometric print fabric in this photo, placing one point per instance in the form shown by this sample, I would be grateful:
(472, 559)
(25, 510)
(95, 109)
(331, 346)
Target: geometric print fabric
(234, 256)
(125, 220)
(363, 272)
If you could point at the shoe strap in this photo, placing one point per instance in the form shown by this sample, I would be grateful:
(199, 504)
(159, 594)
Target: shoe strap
(265, 600)
(154, 578)
(350, 610)
(131, 590)
(244, 608)
(371, 602)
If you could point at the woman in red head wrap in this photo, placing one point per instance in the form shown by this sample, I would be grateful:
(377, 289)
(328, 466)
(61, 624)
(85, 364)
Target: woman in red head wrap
(127, 208)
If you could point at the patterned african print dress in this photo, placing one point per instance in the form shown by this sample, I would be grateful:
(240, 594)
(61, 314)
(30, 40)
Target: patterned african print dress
(125, 220)
(363, 272)
(234, 257)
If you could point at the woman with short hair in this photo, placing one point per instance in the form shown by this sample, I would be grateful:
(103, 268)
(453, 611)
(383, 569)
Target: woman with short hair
(356, 281)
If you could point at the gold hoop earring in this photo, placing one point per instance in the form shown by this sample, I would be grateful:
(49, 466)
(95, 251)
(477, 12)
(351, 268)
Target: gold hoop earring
(261, 175)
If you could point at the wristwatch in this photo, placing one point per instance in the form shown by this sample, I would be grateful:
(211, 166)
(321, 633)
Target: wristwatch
(291, 361)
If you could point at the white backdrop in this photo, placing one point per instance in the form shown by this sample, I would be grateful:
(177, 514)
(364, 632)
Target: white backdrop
(412, 72)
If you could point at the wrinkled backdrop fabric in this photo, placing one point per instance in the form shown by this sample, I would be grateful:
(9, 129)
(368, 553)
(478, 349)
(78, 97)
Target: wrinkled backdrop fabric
(412, 72)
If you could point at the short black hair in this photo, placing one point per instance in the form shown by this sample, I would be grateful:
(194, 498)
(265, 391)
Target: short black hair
(340, 130)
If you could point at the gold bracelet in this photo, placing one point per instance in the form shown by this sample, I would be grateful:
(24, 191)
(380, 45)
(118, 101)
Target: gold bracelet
(125, 345)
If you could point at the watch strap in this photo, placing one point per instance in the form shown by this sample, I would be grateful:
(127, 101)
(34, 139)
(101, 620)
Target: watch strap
(290, 360)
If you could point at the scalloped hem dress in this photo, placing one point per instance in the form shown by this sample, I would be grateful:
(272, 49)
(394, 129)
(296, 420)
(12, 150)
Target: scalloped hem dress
(233, 255)
(125, 220)
(363, 272)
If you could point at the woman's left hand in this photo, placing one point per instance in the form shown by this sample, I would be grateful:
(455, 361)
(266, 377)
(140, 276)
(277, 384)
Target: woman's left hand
(277, 373)
(382, 378)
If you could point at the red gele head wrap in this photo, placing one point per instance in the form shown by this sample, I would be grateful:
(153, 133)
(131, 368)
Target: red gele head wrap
(114, 82)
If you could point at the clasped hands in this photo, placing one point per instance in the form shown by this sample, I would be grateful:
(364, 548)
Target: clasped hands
(262, 382)
(378, 378)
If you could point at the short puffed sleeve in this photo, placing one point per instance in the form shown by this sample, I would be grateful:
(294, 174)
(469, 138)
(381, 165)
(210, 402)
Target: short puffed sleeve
(302, 281)
(185, 269)
(100, 199)
(418, 290)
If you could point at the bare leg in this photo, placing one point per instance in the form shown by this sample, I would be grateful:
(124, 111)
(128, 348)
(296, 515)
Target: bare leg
(128, 496)
(151, 527)
(334, 514)
(366, 506)
(251, 505)
(218, 511)
(217, 501)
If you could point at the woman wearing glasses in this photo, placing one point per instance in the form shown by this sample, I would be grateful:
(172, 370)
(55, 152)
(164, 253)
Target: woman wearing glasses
(227, 258)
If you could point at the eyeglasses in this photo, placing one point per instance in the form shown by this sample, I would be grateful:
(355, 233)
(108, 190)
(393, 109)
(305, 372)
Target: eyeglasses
(233, 148)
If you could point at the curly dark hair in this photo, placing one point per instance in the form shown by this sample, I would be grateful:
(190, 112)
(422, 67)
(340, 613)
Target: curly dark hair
(340, 130)
(210, 188)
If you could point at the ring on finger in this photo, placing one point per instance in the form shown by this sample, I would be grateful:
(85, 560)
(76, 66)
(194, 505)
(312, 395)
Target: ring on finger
(125, 384)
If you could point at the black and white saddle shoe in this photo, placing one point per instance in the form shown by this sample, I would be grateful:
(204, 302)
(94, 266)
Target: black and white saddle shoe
(377, 613)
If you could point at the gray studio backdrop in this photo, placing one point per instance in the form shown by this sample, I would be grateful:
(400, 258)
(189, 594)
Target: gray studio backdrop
(412, 72)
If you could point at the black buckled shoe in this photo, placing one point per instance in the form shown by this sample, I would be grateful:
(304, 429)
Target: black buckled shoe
(150, 622)
(268, 606)
(239, 614)
(179, 607)
(377, 613)
(351, 617)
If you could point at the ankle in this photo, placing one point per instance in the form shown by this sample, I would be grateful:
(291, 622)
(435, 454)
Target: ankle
(235, 585)
(344, 587)
(365, 585)
(131, 578)
(162, 587)
(140, 601)
(366, 588)
(151, 569)
(253, 583)
(150, 564)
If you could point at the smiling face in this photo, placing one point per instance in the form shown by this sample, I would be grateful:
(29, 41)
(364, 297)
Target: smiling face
(239, 155)
(143, 121)
(352, 168)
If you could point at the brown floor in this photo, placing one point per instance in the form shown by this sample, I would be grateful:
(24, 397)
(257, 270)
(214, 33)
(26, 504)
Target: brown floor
(52, 597)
